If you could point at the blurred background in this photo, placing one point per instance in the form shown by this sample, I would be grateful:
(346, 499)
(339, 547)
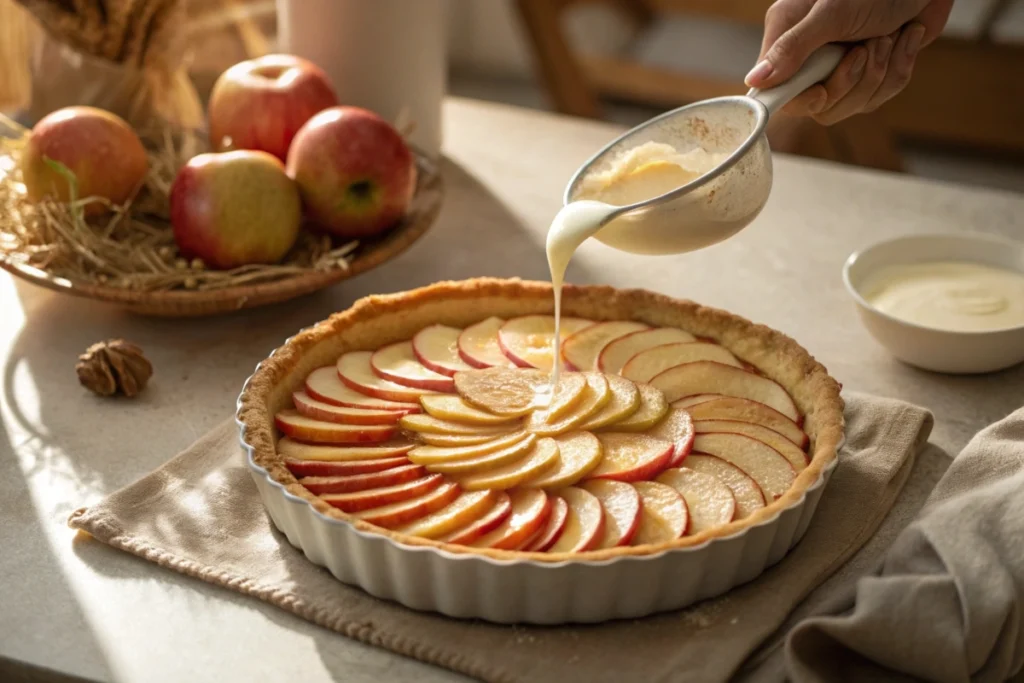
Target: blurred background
(961, 118)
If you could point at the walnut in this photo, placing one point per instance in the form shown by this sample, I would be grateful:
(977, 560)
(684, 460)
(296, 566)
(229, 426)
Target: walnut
(113, 366)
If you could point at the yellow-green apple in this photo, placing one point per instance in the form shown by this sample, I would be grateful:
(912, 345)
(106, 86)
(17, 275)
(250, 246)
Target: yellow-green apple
(234, 208)
(262, 103)
(99, 148)
(356, 173)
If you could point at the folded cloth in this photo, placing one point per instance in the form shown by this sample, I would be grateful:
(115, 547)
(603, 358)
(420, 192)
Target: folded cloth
(200, 514)
(947, 601)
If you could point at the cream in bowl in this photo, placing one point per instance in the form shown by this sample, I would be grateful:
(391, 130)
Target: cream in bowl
(948, 303)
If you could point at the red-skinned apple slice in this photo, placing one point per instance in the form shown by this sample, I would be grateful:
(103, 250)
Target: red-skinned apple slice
(546, 536)
(530, 509)
(789, 450)
(331, 468)
(621, 504)
(653, 407)
(709, 377)
(324, 384)
(727, 408)
(614, 356)
(362, 482)
(631, 457)
(646, 365)
(691, 401)
(428, 423)
(537, 461)
(487, 522)
(358, 501)
(289, 448)
(764, 464)
(581, 350)
(403, 512)
(528, 341)
(578, 454)
(462, 511)
(479, 348)
(437, 348)
(748, 495)
(397, 363)
(709, 501)
(663, 514)
(449, 407)
(431, 455)
(678, 428)
(625, 402)
(302, 428)
(584, 523)
(318, 410)
(355, 371)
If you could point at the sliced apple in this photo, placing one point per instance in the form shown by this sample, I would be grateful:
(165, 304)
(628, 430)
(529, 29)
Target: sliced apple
(362, 482)
(433, 425)
(405, 511)
(319, 410)
(764, 464)
(546, 535)
(596, 395)
(355, 371)
(748, 495)
(437, 348)
(578, 454)
(397, 363)
(378, 497)
(528, 341)
(614, 356)
(342, 468)
(581, 350)
(709, 501)
(709, 377)
(727, 408)
(487, 522)
(621, 504)
(530, 509)
(432, 455)
(539, 459)
(503, 391)
(453, 440)
(789, 450)
(449, 407)
(302, 428)
(487, 462)
(462, 511)
(646, 365)
(624, 402)
(691, 401)
(289, 448)
(631, 457)
(678, 428)
(479, 348)
(653, 408)
(663, 514)
(324, 384)
(584, 523)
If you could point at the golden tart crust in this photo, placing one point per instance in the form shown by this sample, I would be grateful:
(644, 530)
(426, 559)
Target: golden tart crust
(377, 320)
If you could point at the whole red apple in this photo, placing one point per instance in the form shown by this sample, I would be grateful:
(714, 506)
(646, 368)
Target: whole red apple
(261, 103)
(355, 172)
(235, 208)
(98, 147)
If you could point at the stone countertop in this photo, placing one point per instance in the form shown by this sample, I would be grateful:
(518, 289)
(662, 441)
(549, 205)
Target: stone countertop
(84, 610)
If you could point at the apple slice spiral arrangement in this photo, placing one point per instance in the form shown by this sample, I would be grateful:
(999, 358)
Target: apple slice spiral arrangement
(450, 436)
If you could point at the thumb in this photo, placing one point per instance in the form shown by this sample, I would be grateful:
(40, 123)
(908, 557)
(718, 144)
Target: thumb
(791, 49)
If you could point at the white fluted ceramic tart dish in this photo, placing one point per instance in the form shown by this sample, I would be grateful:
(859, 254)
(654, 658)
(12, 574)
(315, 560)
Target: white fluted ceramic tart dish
(412, 445)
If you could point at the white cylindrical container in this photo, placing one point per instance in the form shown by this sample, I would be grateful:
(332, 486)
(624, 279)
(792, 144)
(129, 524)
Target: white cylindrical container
(389, 56)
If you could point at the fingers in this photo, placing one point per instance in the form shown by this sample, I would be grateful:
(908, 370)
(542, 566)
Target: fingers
(793, 30)
(820, 97)
(901, 66)
(858, 96)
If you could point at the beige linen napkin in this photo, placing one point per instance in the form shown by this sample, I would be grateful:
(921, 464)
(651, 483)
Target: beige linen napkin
(947, 601)
(200, 515)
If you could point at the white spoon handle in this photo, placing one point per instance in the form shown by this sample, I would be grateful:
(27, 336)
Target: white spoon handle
(818, 67)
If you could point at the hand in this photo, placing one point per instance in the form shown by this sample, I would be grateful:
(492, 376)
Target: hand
(886, 36)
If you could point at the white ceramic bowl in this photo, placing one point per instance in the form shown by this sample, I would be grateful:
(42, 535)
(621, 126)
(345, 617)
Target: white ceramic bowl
(929, 348)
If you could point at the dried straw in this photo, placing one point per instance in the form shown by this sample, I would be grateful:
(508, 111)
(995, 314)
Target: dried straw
(132, 247)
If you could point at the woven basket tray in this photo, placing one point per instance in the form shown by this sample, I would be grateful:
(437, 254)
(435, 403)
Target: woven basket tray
(423, 212)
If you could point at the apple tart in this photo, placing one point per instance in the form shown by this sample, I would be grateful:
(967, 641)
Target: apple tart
(427, 418)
